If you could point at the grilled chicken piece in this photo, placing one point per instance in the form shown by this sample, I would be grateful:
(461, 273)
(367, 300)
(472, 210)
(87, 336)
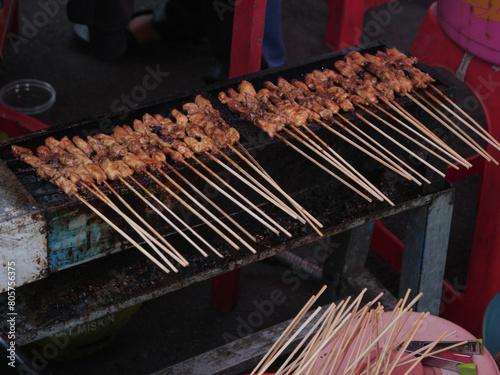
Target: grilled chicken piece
(46, 155)
(98, 147)
(174, 155)
(111, 169)
(196, 146)
(246, 87)
(134, 162)
(180, 118)
(65, 185)
(182, 148)
(82, 145)
(75, 151)
(97, 173)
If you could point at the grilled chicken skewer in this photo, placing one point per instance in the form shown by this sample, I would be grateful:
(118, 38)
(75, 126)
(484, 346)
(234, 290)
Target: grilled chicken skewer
(271, 125)
(183, 149)
(112, 170)
(49, 172)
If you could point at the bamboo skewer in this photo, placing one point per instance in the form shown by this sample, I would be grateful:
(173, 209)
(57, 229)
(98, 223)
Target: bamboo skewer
(323, 167)
(492, 141)
(396, 169)
(186, 237)
(458, 132)
(125, 235)
(311, 220)
(255, 185)
(448, 162)
(234, 222)
(266, 216)
(340, 166)
(259, 169)
(215, 218)
(349, 166)
(479, 127)
(171, 250)
(178, 218)
(145, 235)
(385, 149)
(402, 146)
(402, 112)
(230, 197)
(328, 160)
(290, 212)
(265, 360)
(422, 136)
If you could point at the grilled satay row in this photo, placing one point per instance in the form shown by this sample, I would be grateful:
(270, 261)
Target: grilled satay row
(359, 80)
(68, 163)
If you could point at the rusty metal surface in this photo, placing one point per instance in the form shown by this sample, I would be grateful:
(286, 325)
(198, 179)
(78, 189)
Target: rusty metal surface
(23, 240)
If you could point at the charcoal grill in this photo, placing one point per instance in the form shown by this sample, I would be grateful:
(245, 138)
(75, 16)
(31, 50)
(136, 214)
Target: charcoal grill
(72, 267)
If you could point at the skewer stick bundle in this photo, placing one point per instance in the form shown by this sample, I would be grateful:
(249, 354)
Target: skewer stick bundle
(351, 338)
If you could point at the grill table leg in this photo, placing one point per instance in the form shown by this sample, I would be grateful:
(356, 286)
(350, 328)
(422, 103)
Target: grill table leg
(346, 256)
(424, 256)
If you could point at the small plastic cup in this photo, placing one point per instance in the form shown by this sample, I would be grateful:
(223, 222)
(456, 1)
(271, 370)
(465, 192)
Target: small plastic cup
(28, 96)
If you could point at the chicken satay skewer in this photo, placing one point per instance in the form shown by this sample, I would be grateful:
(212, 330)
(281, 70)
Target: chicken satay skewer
(124, 138)
(256, 186)
(404, 65)
(197, 147)
(228, 217)
(79, 158)
(394, 166)
(272, 130)
(350, 69)
(365, 90)
(466, 115)
(185, 150)
(48, 172)
(215, 218)
(94, 190)
(119, 172)
(102, 145)
(454, 128)
(398, 83)
(488, 138)
(259, 169)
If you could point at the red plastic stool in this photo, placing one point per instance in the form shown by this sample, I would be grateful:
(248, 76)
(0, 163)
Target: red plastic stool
(466, 309)
(344, 25)
(246, 56)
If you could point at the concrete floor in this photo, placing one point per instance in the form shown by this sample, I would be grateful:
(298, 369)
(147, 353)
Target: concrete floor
(179, 325)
